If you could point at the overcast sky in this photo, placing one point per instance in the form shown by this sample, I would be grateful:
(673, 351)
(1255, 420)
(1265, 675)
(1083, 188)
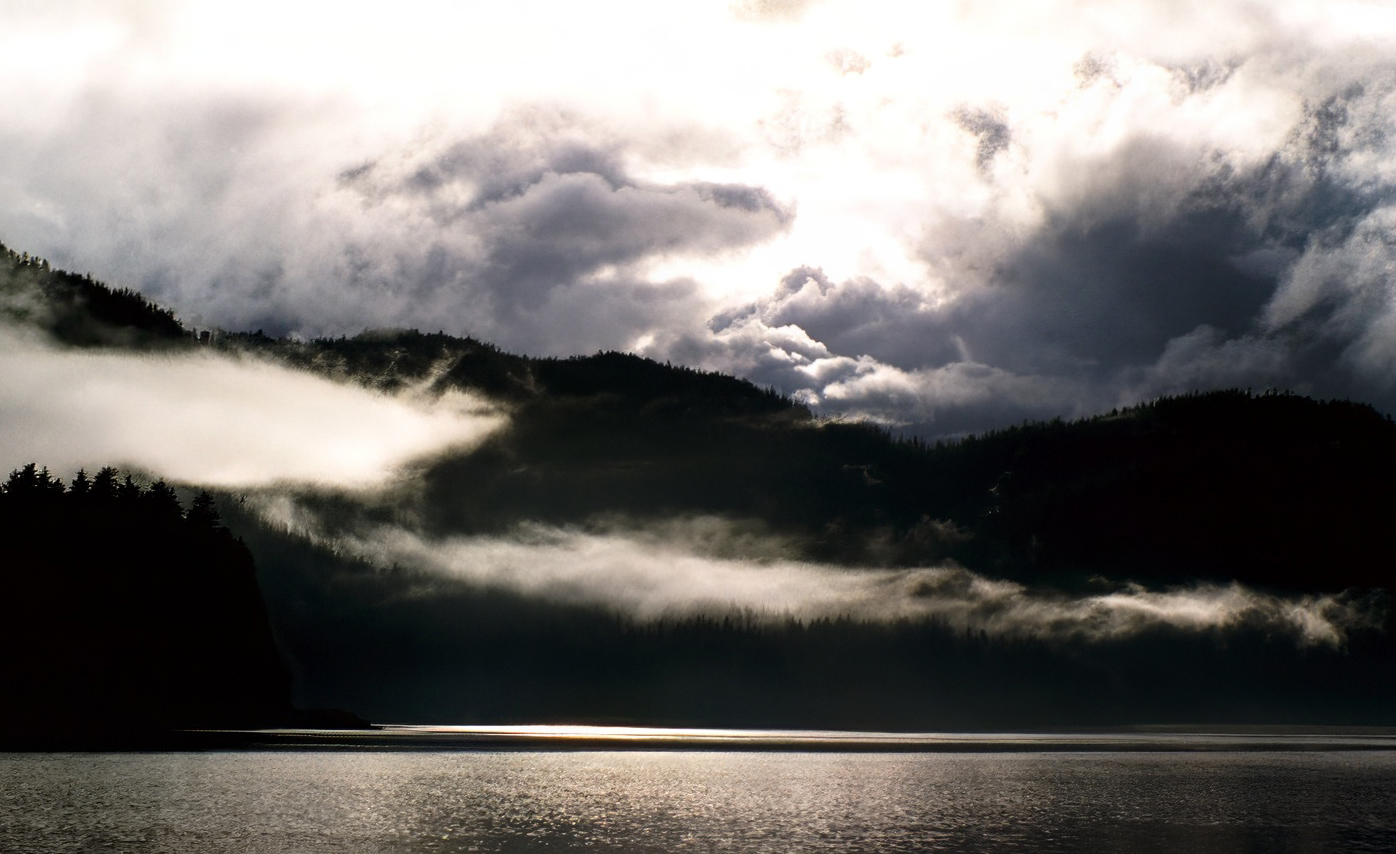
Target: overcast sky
(948, 215)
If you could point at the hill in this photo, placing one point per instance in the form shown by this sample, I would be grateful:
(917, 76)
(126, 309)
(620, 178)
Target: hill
(80, 311)
(1268, 488)
(1285, 494)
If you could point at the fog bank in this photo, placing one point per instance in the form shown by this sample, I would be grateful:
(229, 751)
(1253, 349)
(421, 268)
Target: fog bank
(217, 420)
(711, 566)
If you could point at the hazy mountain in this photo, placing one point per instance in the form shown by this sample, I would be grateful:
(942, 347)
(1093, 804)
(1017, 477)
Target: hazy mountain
(1268, 488)
(647, 542)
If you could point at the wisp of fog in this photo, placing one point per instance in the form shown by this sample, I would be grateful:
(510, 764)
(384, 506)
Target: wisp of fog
(217, 420)
(707, 565)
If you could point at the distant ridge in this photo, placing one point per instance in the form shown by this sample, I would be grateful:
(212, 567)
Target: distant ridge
(1270, 488)
(79, 310)
(1186, 494)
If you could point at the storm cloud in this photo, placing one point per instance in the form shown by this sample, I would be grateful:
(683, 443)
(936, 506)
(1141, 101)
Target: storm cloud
(1160, 265)
(945, 218)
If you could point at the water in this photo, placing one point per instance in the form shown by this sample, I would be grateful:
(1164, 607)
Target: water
(699, 801)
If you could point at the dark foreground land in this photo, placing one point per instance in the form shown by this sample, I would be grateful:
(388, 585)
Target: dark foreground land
(128, 619)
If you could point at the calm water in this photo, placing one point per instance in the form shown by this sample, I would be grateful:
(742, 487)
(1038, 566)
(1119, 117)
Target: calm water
(639, 801)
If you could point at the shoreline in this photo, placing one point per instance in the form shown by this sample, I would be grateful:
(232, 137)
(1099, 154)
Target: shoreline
(542, 738)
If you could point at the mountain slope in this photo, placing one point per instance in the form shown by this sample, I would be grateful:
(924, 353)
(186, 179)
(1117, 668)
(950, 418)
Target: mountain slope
(79, 310)
(491, 584)
(1271, 489)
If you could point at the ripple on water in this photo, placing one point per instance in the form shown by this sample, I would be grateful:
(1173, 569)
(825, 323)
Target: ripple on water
(697, 801)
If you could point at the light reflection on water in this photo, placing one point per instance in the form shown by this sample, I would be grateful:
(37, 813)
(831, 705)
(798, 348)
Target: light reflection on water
(637, 801)
(621, 737)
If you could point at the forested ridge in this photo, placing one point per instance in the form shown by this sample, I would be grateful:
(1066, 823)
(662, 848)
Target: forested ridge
(1268, 487)
(377, 643)
(79, 310)
(1273, 489)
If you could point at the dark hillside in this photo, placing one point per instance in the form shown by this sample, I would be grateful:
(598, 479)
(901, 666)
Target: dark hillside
(126, 609)
(1271, 489)
(1274, 489)
(80, 311)
(126, 617)
(400, 645)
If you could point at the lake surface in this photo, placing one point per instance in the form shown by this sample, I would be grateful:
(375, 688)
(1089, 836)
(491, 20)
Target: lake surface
(422, 800)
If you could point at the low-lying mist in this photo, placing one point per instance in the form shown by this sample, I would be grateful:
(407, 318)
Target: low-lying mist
(706, 565)
(217, 420)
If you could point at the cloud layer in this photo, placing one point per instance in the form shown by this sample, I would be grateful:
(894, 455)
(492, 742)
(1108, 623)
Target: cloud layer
(711, 566)
(215, 420)
(947, 217)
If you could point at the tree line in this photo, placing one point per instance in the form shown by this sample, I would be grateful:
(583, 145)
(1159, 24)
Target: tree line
(127, 615)
(79, 310)
(417, 646)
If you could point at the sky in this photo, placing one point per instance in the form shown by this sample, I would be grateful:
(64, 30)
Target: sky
(943, 216)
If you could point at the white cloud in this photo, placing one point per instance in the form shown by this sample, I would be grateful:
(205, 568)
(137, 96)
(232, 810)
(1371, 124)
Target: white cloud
(708, 565)
(215, 420)
(198, 153)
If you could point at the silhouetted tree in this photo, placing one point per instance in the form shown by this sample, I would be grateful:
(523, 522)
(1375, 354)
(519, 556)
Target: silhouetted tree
(203, 512)
(132, 616)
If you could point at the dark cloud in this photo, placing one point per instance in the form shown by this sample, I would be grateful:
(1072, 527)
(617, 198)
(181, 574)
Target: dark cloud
(1100, 286)
(533, 234)
(1203, 75)
(1094, 68)
(896, 325)
(991, 130)
(1162, 269)
(534, 230)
